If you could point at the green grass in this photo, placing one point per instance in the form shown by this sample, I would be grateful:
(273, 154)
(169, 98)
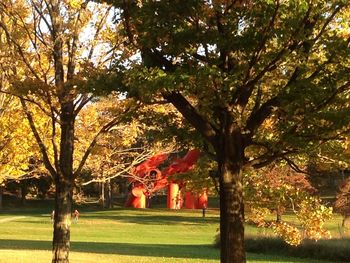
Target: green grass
(119, 235)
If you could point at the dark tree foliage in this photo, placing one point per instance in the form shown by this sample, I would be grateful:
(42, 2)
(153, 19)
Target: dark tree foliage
(259, 80)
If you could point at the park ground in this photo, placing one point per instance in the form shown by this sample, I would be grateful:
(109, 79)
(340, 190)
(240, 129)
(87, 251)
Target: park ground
(127, 235)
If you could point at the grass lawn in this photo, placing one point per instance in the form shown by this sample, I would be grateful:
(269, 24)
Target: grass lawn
(118, 235)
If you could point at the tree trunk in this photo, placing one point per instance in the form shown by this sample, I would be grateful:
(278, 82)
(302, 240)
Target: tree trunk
(102, 197)
(62, 221)
(230, 158)
(229, 143)
(64, 186)
(232, 219)
(23, 185)
(109, 194)
(279, 214)
(346, 221)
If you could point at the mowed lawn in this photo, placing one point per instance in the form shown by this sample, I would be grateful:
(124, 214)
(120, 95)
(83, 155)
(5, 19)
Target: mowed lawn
(118, 235)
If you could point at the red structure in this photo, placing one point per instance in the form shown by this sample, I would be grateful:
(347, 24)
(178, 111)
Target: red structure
(147, 179)
(196, 200)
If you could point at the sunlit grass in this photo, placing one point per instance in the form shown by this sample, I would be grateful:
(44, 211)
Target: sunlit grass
(27, 256)
(120, 235)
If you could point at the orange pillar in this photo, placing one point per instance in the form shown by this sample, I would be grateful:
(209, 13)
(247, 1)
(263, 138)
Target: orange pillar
(139, 201)
(136, 198)
(174, 200)
(203, 200)
(189, 201)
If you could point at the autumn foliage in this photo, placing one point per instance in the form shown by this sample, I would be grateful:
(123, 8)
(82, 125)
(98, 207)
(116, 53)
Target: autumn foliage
(277, 189)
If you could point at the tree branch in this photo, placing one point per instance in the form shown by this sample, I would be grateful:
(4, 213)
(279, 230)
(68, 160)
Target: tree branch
(268, 158)
(46, 112)
(191, 115)
(107, 127)
(294, 166)
(127, 26)
(244, 91)
(339, 90)
(98, 27)
(327, 22)
(41, 14)
(53, 135)
(127, 167)
(38, 139)
(255, 58)
(20, 50)
(83, 100)
(257, 118)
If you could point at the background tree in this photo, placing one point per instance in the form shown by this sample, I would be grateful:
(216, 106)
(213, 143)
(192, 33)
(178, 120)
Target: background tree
(60, 49)
(17, 147)
(260, 81)
(203, 177)
(276, 188)
(328, 168)
(12, 142)
(109, 157)
(342, 204)
(152, 129)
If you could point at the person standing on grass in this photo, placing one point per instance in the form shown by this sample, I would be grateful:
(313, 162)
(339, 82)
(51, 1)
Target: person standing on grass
(76, 215)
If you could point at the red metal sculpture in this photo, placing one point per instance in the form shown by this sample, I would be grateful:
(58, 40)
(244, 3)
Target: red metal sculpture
(147, 179)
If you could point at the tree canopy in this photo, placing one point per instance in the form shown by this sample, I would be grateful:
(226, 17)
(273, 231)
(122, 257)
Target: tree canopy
(259, 80)
(56, 52)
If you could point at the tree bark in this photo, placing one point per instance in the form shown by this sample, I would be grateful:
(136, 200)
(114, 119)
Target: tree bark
(230, 162)
(23, 185)
(64, 186)
(102, 196)
(109, 194)
(229, 143)
(62, 221)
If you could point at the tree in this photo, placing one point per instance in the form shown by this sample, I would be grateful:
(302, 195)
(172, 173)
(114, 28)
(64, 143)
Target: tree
(260, 81)
(16, 143)
(109, 157)
(6, 141)
(60, 49)
(276, 188)
(342, 204)
(332, 160)
(147, 133)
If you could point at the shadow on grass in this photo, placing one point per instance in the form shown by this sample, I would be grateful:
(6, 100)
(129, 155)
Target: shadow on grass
(153, 216)
(280, 259)
(334, 250)
(156, 219)
(135, 219)
(136, 216)
(154, 250)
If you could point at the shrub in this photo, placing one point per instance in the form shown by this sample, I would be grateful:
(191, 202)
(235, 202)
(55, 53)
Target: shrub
(335, 250)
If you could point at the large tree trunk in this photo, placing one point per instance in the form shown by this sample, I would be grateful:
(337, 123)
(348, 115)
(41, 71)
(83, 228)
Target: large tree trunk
(64, 186)
(230, 160)
(229, 143)
(62, 221)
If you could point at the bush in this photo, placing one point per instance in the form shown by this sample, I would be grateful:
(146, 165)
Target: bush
(335, 250)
